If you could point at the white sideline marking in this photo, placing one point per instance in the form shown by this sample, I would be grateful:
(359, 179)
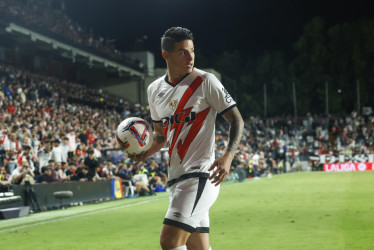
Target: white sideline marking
(79, 215)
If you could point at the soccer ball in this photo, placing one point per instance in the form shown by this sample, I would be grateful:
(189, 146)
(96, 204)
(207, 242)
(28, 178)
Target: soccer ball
(134, 135)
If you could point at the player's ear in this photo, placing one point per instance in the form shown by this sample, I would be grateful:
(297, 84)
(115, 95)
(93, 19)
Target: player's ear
(164, 54)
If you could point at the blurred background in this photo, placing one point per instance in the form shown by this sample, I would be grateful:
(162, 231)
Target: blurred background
(289, 57)
(302, 73)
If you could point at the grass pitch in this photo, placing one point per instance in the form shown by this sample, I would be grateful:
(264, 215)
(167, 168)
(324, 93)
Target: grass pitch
(314, 210)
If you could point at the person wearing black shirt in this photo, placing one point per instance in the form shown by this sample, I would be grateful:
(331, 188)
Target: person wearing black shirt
(71, 172)
(91, 162)
(84, 175)
(269, 164)
(45, 176)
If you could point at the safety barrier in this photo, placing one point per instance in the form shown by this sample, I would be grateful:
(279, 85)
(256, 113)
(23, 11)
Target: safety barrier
(81, 192)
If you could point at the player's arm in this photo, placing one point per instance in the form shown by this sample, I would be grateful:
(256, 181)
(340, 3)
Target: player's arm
(157, 144)
(222, 165)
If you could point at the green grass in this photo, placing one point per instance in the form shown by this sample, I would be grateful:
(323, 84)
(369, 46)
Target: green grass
(293, 211)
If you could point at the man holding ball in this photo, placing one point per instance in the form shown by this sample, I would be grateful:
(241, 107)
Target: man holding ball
(183, 105)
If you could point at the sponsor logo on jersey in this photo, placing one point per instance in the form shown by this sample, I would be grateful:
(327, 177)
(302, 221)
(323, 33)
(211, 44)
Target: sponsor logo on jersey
(228, 97)
(179, 118)
(173, 104)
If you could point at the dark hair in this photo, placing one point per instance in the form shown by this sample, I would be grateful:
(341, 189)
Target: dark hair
(45, 169)
(174, 35)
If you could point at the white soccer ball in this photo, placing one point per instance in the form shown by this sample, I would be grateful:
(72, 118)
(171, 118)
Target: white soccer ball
(134, 135)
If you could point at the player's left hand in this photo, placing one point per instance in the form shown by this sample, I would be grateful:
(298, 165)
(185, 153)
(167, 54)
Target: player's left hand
(221, 168)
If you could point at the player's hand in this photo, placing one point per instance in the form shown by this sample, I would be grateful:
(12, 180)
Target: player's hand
(138, 157)
(221, 168)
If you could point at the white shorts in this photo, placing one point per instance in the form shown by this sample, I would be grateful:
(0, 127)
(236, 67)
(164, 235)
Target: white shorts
(190, 200)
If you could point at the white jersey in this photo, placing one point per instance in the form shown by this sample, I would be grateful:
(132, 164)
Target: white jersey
(188, 112)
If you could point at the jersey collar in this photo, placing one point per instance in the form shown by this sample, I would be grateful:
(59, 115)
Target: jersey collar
(173, 84)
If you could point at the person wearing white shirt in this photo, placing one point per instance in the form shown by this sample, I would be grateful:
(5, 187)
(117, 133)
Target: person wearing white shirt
(44, 155)
(64, 149)
(56, 152)
(72, 143)
(12, 147)
(255, 162)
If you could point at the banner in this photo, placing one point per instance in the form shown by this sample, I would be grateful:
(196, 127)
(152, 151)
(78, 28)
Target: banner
(343, 158)
(348, 167)
(117, 191)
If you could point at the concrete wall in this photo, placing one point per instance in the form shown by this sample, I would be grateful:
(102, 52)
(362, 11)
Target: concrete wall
(127, 90)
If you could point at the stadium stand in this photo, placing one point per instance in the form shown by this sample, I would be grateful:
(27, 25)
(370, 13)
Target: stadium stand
(55, 23)
(41, 109)
(55, 130)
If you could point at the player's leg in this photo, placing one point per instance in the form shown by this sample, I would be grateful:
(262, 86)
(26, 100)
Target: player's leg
(198, 241)
(173, 237)
(189, 213)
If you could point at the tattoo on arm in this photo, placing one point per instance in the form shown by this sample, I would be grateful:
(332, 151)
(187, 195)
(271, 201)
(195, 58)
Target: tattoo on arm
(160, 139)
(235, 119)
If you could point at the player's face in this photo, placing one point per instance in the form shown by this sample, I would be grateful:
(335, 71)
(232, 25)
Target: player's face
(181, 59)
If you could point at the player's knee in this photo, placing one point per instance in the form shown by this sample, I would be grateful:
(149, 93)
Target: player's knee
(165, 242)
(168, 242)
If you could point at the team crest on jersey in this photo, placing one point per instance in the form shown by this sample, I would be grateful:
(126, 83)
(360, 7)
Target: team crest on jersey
(173, 104)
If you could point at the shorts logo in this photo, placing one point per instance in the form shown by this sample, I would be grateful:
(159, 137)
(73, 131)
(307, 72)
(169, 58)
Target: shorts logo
(173, 104)
(177, 214)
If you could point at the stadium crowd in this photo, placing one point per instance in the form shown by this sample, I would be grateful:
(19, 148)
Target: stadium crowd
(53, 130)
(56, 21)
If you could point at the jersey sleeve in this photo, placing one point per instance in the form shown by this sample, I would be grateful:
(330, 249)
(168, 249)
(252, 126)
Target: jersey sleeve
(151, 97)
(217, 96)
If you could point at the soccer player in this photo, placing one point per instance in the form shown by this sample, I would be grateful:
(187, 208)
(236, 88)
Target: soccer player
(183, 105)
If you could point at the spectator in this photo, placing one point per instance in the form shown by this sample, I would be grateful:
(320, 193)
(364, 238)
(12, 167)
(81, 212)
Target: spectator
(45, 176)
(57, 152)
(61, 171)
(54, 169)
(99, 175)
(26, 155)
(123, 172)
(154, 179)
(12, 148)
(4, 180)
(21, 173)
(91, 162)
(255, 165)
(64, 149)
(109, 170)
(45, 154)
(81, 150)
(84, 175)
(71, 172)
(142, 169)
(71, 143)
(162, 171)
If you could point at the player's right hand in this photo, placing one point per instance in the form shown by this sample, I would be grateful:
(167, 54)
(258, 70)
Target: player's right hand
(138, 157)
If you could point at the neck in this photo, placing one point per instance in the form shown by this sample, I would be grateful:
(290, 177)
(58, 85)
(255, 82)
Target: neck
(175, 77)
